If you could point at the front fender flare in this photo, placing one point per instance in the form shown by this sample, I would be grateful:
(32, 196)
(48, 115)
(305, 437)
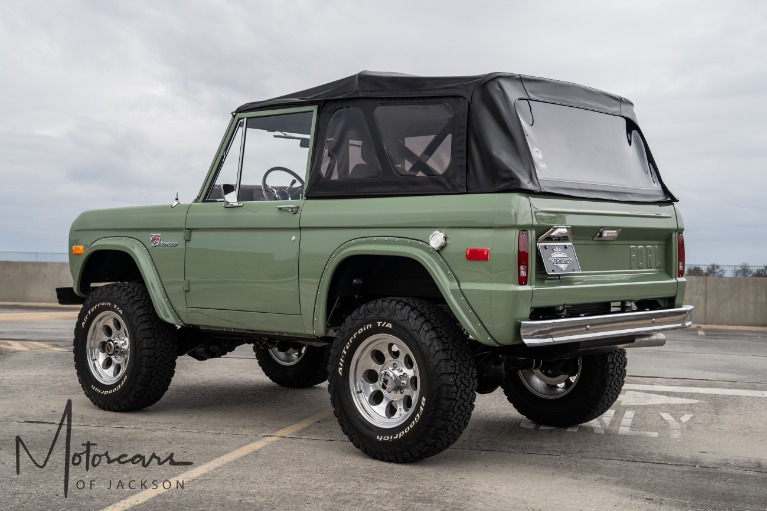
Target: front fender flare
(143, 260)
(430, 259)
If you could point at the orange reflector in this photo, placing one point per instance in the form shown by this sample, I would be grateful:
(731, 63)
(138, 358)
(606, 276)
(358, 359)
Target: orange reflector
(78, 249)
(478, 254)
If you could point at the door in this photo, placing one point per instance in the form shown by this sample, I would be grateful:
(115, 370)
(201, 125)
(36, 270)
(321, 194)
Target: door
(242, 255)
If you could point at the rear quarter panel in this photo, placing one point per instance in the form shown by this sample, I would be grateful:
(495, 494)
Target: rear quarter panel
(468, 221)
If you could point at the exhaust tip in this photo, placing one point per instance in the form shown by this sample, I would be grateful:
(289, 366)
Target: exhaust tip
(646, 341)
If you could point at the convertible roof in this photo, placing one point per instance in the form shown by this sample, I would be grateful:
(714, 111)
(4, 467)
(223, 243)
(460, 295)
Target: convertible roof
(373, 84)
(489, 145)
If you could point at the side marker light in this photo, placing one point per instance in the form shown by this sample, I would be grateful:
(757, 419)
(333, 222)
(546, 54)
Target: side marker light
(478, 254)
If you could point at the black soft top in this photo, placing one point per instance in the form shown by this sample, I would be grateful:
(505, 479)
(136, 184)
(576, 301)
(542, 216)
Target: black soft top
(490, 150)
(374, 84)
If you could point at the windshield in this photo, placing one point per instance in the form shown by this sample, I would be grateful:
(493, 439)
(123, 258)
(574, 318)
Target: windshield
(576, 149)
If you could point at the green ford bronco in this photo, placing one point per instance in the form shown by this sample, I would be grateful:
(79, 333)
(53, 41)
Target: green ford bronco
(412, 240)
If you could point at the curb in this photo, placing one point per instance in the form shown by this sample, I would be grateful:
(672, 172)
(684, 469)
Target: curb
(730, 327)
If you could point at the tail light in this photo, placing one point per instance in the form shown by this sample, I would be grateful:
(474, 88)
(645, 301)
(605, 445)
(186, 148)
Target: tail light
(522, 258)
(680, 255)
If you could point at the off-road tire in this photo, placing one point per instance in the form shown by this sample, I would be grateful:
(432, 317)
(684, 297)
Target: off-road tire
(446, 379)
(310, 370)
(152, 360)
(596, 389)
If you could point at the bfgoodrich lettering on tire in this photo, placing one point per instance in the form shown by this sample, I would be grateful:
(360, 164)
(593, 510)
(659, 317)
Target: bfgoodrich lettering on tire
(567, 392)
(402, 379)
(125, 356)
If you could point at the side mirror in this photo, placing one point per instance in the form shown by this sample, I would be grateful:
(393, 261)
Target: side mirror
(230, 196)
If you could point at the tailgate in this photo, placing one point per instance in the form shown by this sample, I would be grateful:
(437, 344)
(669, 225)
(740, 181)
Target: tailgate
(639, 263)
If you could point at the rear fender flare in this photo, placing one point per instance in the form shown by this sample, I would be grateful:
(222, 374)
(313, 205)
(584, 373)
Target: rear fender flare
(430, 259)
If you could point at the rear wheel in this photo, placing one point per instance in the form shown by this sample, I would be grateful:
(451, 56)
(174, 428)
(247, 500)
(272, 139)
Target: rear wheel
(125, 356)
(402, 379)
(294, 365)
(567, 392)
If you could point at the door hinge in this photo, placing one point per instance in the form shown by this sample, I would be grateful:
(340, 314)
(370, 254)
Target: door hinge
(186, 285)
(187, 234)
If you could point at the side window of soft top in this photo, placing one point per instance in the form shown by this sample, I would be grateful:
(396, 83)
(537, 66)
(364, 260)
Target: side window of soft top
(349, 151)
(418, 138)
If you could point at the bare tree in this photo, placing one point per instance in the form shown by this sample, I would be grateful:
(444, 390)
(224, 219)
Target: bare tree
(714, 270)
(695, 271)
(744, 270)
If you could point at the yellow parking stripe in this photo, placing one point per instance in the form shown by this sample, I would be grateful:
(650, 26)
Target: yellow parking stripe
(28, 346)
(16, 345)
(145, 495)
(37, 316)
(46, 346)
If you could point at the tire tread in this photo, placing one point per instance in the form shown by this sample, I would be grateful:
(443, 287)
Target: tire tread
(153, 348)
(451, 364)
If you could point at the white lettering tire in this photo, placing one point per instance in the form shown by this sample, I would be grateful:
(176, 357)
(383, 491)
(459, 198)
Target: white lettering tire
(125, 356)
(402, 379)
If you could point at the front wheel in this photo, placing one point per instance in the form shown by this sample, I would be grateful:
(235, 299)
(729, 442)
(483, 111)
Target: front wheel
(567, 392)
(125, 356)
(402, 379)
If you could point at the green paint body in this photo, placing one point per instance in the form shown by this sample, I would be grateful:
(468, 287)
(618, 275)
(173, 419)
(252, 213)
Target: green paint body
(258, 268)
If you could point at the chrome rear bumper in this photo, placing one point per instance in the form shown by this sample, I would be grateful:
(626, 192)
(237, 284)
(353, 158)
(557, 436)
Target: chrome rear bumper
(591, 328)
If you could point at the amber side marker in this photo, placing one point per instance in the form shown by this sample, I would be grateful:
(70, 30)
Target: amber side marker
(78, 249)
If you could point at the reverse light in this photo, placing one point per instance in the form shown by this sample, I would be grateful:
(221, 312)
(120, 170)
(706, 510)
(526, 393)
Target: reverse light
(78, 249)
(478, 254)
(522, 258)
(680, 255)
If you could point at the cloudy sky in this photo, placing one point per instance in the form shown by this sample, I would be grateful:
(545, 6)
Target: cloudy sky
(124, 103)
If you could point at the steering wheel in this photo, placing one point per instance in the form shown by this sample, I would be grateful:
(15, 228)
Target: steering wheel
(275, 194)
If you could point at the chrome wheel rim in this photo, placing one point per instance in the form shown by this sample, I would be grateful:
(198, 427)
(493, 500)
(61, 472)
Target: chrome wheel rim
(549, 385)
(108, 348)
(287, 357)
(384, 381)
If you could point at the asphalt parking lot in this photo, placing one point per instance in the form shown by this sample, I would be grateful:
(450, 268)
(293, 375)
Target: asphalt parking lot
(688, 432)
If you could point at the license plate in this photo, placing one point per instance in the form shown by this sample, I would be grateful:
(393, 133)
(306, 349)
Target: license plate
(559, 258)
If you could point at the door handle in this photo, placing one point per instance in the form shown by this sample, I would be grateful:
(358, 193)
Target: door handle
(289, 208)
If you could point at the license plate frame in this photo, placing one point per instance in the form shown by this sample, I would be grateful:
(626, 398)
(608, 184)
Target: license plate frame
(559, 258)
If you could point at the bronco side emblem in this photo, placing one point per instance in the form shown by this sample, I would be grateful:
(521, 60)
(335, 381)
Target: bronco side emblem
(155, 240)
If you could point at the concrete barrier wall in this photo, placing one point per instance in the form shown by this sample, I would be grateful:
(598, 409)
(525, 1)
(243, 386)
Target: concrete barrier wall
(32, 282)
(717, 300)
(728, 300)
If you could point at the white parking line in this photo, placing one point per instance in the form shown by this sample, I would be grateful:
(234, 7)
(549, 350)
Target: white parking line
(633, 398)
(696, 390)
(625, 427)
(676, 428)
